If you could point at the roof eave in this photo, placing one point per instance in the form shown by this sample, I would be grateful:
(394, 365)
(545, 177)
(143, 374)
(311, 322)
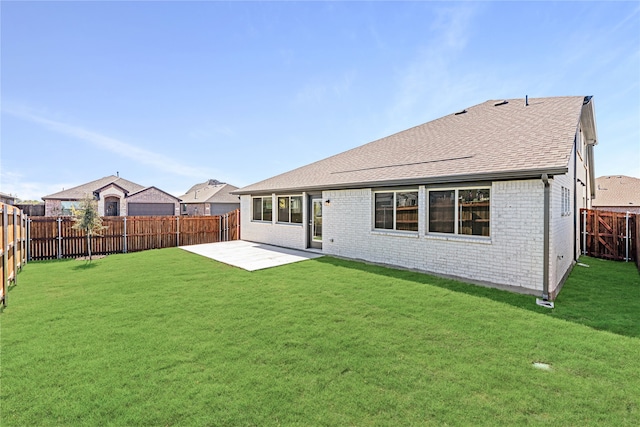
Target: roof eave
(448, 179)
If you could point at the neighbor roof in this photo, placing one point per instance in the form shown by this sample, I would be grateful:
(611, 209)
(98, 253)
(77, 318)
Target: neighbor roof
(211, 191)
(492, 140)
(76, 193)
(617, 191)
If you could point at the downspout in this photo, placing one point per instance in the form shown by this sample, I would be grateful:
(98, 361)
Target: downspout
(575, 197)
(545, 247)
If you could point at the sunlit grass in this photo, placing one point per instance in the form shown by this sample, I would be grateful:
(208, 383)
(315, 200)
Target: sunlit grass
(167, 337)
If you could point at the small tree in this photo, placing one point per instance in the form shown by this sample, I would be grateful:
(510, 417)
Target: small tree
(86, 218)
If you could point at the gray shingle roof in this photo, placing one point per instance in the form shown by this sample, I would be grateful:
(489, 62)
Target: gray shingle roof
(210, 191)
(76, 193)
(487, 140)
(617, 191)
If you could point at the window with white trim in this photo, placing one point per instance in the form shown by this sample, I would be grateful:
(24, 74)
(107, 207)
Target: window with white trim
(396, 210)
(566, 201)
(262, 208)
(290, 209)
(463, 211)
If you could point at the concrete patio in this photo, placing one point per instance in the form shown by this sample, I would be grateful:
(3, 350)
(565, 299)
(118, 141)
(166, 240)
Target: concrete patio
(250, 256)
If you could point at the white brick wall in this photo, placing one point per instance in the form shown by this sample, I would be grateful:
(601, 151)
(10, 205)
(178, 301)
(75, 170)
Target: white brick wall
(286, 235)
(511, 256)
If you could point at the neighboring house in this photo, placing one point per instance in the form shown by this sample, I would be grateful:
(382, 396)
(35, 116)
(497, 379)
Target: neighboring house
(8, 199)
(211, 197)
(116, 197)
(617, 193)
(490, 194)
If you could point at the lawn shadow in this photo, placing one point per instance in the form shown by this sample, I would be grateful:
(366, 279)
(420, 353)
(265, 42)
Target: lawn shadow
(86, 265)
(600, 300)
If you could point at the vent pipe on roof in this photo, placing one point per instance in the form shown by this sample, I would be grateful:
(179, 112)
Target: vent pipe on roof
(526, 100)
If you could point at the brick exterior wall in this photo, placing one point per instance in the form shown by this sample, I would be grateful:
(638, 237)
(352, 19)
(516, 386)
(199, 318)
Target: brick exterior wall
(286, 235)
(512, 256)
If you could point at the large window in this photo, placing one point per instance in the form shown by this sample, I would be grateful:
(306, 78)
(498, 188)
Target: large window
(396, 210)
(460, 211)
(67, 207)
(262, 208)
(290, 209)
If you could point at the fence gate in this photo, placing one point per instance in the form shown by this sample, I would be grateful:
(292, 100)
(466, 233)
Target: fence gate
(609, 235)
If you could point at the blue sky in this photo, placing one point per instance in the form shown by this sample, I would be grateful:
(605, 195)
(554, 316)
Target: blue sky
(173, 93)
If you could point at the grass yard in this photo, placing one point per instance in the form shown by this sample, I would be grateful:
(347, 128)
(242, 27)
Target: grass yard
(166, 337)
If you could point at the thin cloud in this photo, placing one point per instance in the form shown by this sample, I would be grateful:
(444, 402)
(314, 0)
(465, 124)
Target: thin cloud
(431, 75)
(113, 145)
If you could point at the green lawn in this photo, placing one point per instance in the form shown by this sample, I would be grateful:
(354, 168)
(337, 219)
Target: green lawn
(166, 337)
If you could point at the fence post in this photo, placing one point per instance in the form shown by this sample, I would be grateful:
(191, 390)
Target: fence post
(177, 231)
(5, 255)
(626, 237)
(124, 247)
(584, 232)
(59, 221)
(23, 228)
(15, 246)
(28, 239)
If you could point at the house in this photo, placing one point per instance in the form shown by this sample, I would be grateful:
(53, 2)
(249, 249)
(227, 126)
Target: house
(490, 195)
(7, 199)
(116, 197)
(617, 193)
(211, 197)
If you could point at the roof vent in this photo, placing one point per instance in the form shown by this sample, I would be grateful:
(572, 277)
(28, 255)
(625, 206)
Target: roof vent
(460, 112)
(587, 99)
(497, 104)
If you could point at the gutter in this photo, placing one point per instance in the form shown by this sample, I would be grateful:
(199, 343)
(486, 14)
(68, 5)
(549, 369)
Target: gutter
(451, 179)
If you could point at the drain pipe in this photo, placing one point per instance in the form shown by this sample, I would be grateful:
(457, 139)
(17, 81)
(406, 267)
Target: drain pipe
(545, 248)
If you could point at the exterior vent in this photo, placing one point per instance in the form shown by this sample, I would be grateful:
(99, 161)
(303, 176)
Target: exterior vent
(587, 99)
(497, 104)
(460, 112)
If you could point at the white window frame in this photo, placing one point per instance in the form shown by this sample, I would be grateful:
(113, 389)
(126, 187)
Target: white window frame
(565, 201)
(289, 196)
(395, 191)
(456, 214)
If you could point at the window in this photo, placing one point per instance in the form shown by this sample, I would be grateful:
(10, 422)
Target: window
(262, 208)
(460, 211)
(566, 201)
(396, 210)
(67, 207)
(290, 209)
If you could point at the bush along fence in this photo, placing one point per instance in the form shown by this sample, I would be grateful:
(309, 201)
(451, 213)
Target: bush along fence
(610, 235)
(51, 237)
(13, 238)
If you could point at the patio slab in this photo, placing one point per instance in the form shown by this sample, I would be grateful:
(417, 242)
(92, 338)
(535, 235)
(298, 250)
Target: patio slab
(249, 255)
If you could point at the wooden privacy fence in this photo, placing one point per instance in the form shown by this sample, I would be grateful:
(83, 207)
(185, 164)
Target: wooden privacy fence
(51, 237)
(610, 235)
(13, 238)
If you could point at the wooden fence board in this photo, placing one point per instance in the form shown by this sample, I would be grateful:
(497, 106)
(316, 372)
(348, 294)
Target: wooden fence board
(606, 235)
(52, 238)
(13, 247)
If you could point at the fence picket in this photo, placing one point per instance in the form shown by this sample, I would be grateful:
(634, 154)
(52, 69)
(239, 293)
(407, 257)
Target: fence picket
(610, 235)
(127, 234)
